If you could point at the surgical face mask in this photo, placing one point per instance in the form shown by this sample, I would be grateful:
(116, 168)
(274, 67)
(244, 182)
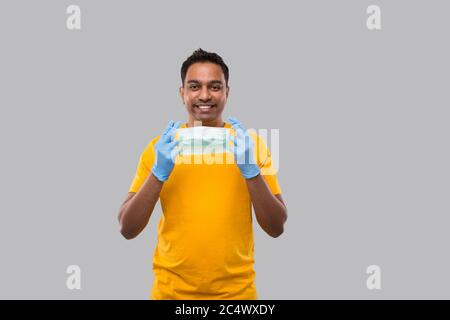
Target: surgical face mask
(203, 140)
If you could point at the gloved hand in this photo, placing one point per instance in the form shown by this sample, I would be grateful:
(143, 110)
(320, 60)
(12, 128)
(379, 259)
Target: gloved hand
(166, 152)
(243, 150)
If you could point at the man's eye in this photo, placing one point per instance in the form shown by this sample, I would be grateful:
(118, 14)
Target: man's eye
(216, 88)
(193, 86)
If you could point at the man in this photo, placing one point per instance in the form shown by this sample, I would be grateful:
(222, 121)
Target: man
(205, 244)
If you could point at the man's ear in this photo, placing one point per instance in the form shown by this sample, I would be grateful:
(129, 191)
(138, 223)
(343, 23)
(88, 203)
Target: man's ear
(181, 90)
(228, 91)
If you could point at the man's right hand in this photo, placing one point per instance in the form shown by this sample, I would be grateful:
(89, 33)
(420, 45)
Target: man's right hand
(165, 152)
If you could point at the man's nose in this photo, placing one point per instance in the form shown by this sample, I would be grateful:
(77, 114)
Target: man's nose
(204, 94)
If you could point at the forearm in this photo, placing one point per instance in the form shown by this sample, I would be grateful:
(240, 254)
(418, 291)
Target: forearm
(135, 213)
(270, 212)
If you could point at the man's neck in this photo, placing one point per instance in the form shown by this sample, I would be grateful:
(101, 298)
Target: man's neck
(214, 123)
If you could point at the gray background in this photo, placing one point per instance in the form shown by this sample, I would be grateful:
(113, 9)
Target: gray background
(363, 118)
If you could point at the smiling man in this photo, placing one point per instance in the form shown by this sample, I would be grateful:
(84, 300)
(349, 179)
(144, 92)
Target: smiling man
(205, 244)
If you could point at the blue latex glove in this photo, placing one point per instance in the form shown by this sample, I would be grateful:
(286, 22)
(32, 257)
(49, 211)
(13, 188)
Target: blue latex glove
(166, 152)
(243, 150)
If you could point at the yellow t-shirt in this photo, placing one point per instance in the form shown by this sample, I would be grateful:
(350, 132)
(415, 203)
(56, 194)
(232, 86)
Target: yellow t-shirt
(205, 246)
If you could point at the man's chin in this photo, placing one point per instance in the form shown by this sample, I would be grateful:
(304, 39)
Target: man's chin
(206, 118)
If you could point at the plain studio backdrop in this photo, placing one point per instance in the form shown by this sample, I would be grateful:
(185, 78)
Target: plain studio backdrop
(362, 115)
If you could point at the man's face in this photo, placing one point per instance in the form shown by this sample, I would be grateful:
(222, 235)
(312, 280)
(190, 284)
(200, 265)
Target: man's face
(204, 92)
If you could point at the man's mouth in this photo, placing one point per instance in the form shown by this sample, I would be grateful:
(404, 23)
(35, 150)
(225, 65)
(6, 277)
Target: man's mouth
(204, 106)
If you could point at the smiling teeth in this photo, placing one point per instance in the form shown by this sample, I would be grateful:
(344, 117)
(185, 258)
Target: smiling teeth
(204, 107)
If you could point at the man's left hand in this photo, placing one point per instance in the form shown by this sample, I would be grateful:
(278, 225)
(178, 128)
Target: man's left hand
(243, 150)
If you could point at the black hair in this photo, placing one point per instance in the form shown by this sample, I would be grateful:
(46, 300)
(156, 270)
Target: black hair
(201, 55)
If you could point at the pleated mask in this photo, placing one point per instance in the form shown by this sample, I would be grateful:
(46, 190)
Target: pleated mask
(203, 140)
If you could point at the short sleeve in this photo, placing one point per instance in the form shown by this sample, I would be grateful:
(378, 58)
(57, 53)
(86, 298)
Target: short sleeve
(265, 162)
(145, 164)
